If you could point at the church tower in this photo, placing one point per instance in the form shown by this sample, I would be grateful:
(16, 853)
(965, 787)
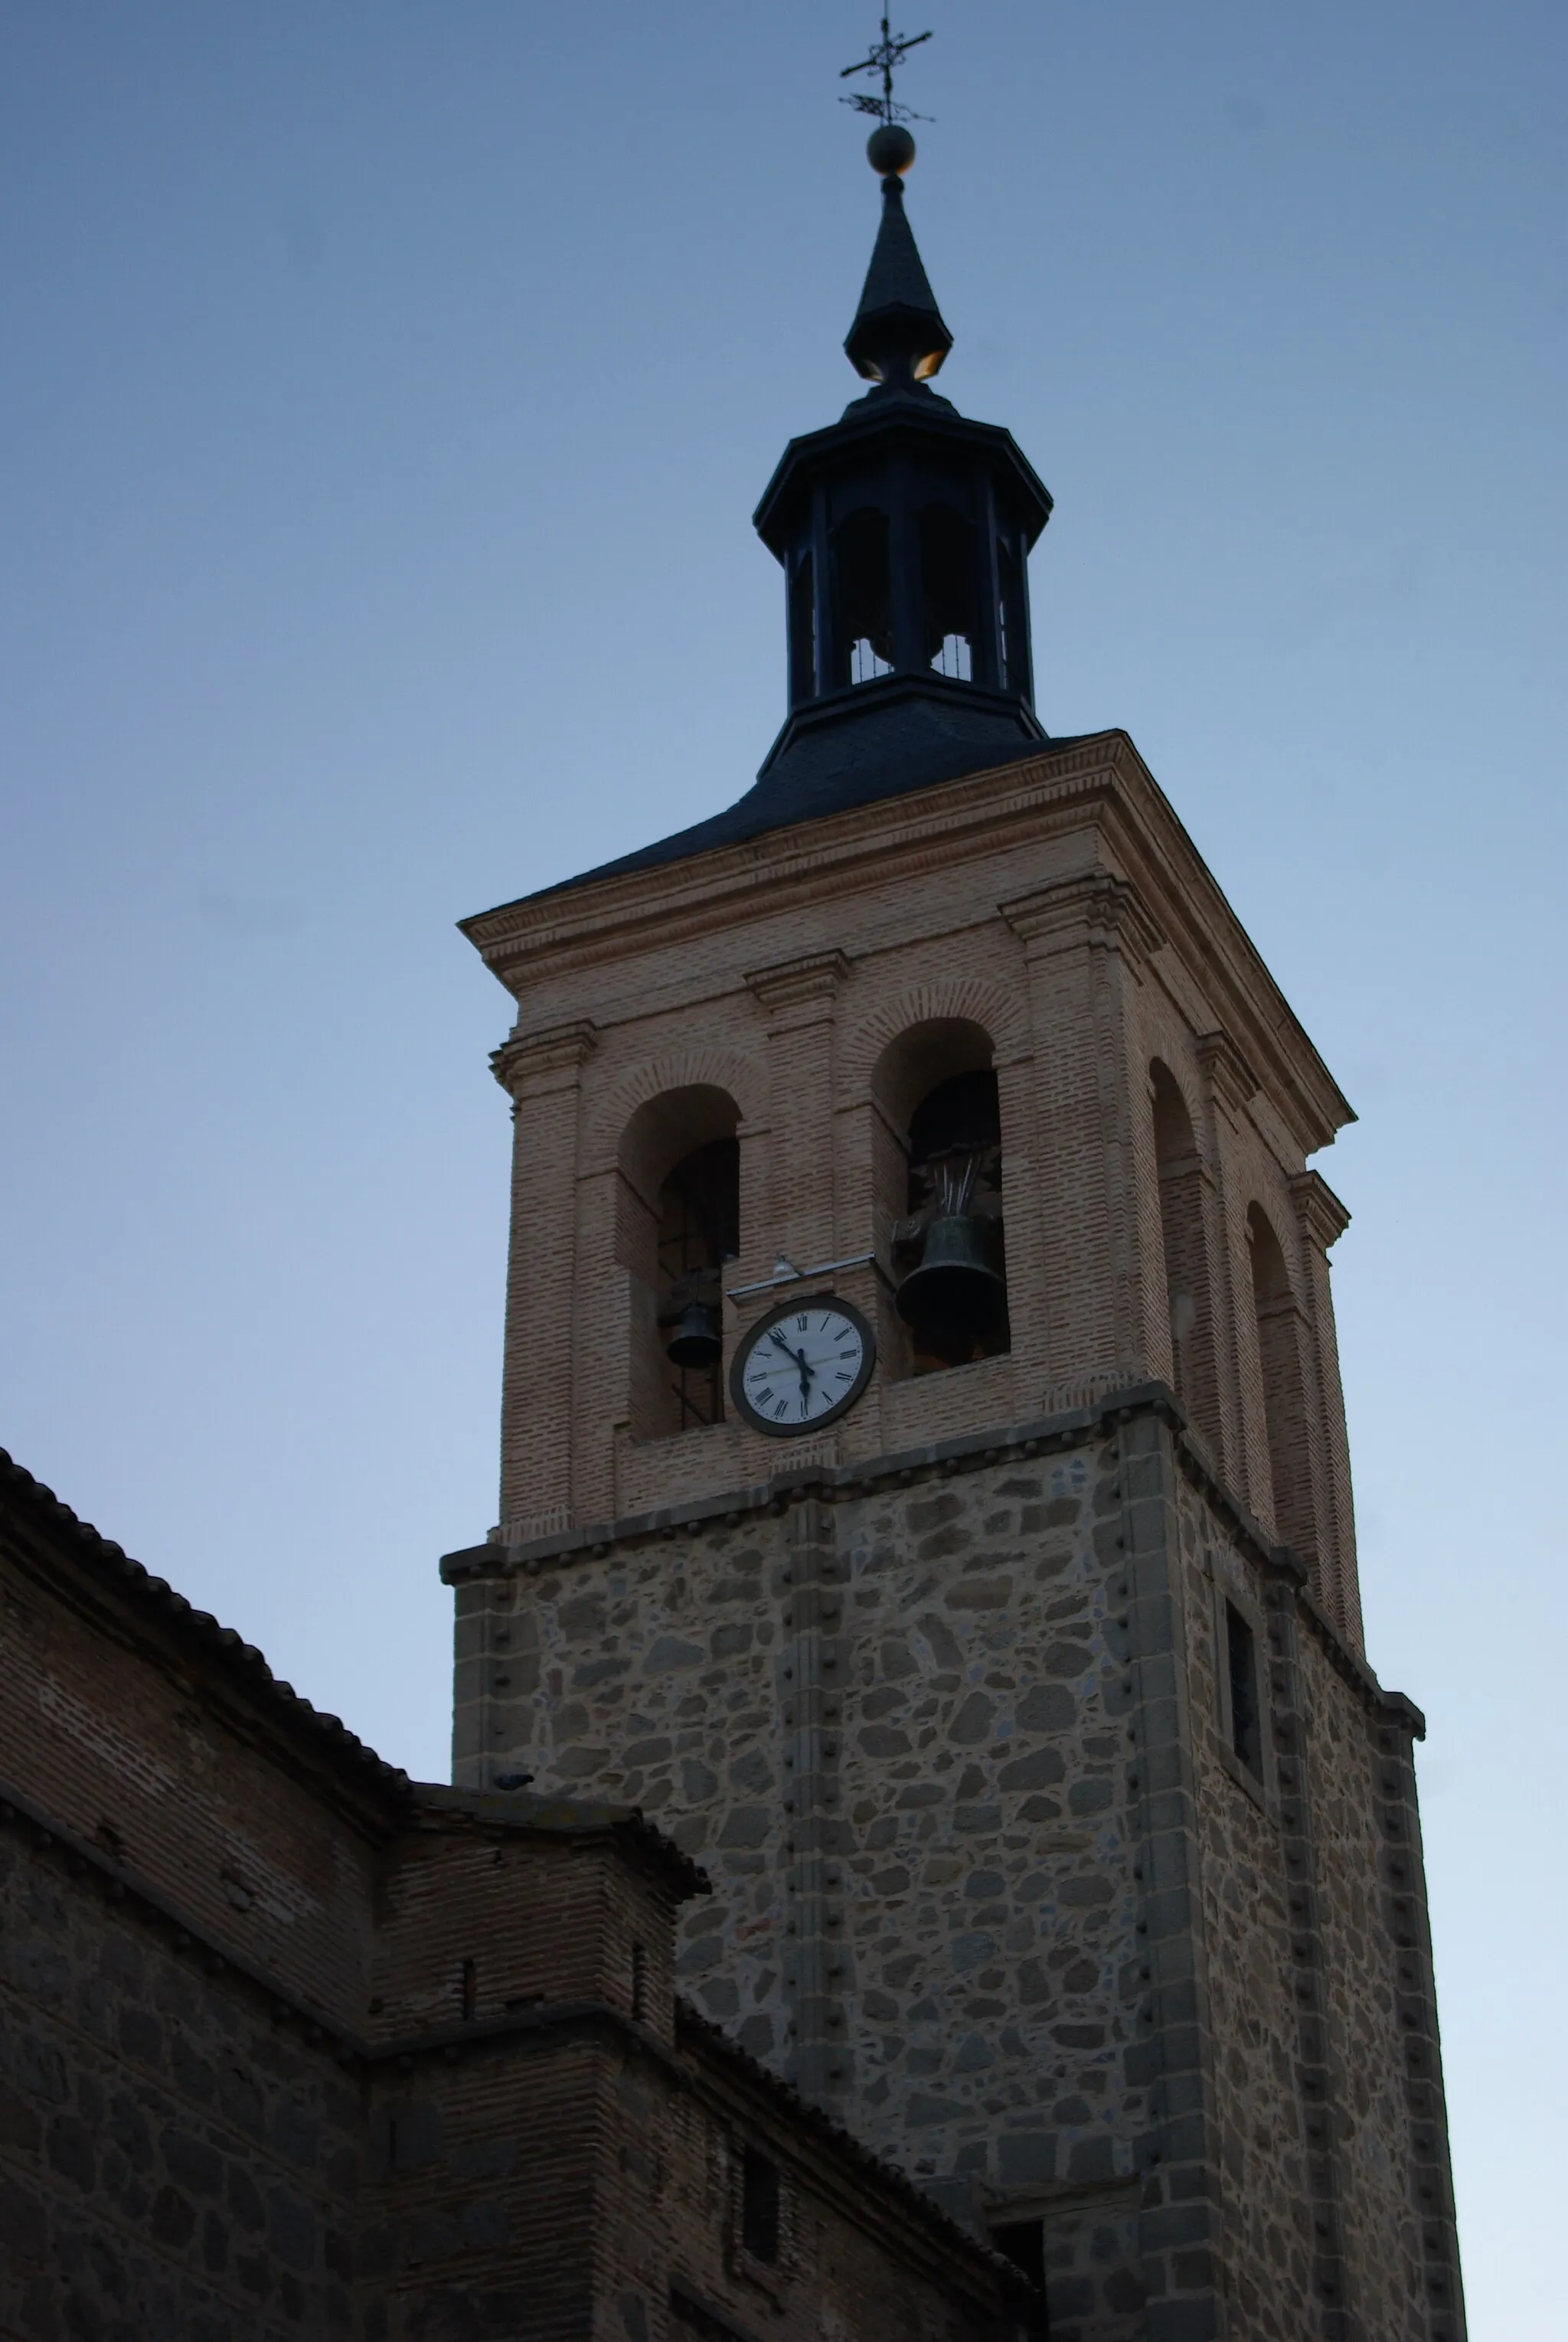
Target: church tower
(924, 1483)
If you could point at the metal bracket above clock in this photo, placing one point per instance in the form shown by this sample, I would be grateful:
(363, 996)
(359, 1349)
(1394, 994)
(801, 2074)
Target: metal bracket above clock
(786, 1273)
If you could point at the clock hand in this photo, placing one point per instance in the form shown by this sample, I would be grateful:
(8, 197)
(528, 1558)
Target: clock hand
(799, 1356)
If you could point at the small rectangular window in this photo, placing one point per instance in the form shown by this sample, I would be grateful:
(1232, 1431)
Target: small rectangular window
(1241, 1664)
(1023, 2244)
(639, 1981)
(760, 2206)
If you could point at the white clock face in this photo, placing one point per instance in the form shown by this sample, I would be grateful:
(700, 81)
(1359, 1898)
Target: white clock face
(804, 1364)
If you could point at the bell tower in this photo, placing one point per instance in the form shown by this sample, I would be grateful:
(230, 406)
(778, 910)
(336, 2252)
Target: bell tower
(924, 1483)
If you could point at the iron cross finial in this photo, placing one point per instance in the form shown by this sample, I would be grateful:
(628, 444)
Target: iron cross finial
(881, 58)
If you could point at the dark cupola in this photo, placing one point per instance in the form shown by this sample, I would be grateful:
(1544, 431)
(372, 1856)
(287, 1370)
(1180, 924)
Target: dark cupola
(904, 531)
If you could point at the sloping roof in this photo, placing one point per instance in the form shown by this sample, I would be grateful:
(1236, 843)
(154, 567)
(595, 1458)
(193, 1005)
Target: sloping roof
(31, 1502)
(908, 744)
(801, 2112)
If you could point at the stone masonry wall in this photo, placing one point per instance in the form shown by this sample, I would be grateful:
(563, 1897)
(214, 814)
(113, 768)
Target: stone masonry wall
(171, 2163)
(951, 1741)
(893, 1728)
(1320, 2189)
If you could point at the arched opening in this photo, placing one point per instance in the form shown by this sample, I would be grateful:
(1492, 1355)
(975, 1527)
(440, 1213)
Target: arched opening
(947, 590)
(940, 1195)
(1187, 1292)
(862, 571)
(680, 1223)
(1284, 1398)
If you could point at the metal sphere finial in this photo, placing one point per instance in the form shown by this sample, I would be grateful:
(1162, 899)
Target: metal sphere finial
(890, 150)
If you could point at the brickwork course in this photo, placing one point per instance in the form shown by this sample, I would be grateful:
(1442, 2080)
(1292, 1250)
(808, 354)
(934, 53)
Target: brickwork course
(947, 1698)
(292, 2045)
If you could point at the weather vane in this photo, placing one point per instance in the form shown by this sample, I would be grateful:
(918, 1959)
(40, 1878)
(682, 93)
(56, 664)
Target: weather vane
(882, 57)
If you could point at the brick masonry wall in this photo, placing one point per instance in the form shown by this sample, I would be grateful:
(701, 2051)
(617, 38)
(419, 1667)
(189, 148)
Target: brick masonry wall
(171, 1768)
(171, 2161)
(1057, 908)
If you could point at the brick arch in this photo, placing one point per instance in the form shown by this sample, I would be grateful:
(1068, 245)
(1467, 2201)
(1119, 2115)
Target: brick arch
(960, 999)
(722, 1069)
(1162, 1062)
(1282, 1230)
(1284, 1369)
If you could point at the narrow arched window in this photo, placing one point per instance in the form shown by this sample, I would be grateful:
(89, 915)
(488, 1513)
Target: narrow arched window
(699, 1230)
(939, 1192)
(678, 1224)
(1281, 1332)
(863, 580)
(953, 1293)
(1187, 1295)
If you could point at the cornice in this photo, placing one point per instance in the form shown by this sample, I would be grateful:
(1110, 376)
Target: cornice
(816, 975)
(1230, 1076)
(1099, 784)
(1324, 1218)
(1093, 907)
(530, 1062)
(624, 906)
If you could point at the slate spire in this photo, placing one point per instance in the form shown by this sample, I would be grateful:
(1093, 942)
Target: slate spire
(898, 334)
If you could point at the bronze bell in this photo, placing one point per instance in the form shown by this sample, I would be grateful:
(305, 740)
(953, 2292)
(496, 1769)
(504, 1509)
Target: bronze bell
(953, 1298)
(695, 1338)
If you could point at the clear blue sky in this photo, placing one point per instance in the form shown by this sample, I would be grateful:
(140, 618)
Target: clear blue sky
(386, 390)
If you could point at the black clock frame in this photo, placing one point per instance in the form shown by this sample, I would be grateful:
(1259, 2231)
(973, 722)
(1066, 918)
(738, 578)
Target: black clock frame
(775, 1317)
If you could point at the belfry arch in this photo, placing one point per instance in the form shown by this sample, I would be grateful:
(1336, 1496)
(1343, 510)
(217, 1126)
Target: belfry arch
(677, 1225)
(1189, 1295)
(940, 1197)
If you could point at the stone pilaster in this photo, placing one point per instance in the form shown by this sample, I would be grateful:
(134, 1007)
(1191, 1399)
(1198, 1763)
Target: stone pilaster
(1178, 2152)
(811, 1670)
(1084, 940)
(1407, 1921)
(542, 1072)
(1319, 2083)
(496, 1668)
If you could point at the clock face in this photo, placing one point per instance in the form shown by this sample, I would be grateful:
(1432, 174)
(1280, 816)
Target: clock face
(802, 1366)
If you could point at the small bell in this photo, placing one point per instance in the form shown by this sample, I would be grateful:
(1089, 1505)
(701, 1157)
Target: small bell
(955, 1299)
(695, 1337)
